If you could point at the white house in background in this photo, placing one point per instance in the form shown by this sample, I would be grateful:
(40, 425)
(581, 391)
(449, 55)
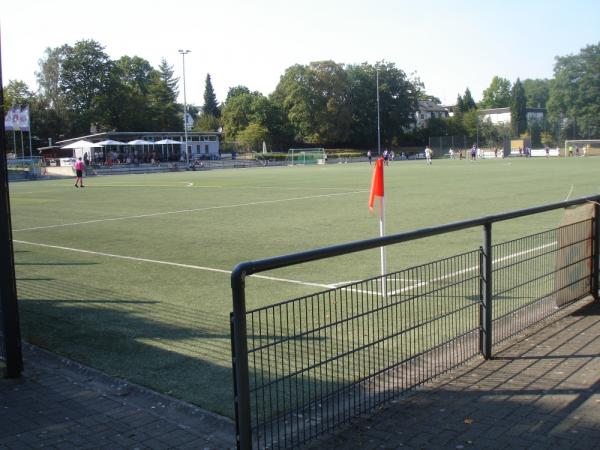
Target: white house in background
(428, 110)
(501, 116)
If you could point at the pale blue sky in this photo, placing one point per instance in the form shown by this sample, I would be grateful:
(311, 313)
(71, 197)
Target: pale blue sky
(449, 44)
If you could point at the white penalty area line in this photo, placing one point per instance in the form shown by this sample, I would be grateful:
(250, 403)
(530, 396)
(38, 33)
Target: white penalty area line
(473, 268)
(181, 211)
(169, 263)
(421, 283)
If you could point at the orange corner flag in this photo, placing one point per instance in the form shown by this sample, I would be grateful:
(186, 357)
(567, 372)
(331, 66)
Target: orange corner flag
(376, 184)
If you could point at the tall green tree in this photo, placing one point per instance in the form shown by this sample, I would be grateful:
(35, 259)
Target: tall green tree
(468, 101)
(537, 92)
(518, 109)
(127, 102)
(497, 95)
(17, 93)
(162, 97)
(244, 109)
(52, 118)
(315, 99)
(210, 107)
(575, 92)
(85, 78)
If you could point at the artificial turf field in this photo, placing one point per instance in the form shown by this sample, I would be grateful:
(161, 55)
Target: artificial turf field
(131, 274)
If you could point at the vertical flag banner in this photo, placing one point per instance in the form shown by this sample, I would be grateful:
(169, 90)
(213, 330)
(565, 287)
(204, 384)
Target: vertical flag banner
(9, 120)
(377, 186)
(24, 119)
(16, 118)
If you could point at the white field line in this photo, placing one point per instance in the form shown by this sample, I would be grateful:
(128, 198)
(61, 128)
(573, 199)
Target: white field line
(207, 208)
(471, 269)
(169, 263)
(569, 194)
(284, 280)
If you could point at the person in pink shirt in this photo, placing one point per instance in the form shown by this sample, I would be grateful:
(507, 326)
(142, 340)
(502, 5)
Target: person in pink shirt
(79, 166)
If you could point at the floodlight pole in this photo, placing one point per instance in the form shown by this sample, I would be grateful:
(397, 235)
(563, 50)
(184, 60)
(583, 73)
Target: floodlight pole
(378, 129)
(187, 159)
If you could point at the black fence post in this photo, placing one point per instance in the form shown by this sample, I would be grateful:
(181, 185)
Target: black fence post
(8, 288)
(485, 340)
(596, 251)
(240, 361)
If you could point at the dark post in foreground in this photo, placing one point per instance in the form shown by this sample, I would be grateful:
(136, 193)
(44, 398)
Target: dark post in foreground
(9, 312)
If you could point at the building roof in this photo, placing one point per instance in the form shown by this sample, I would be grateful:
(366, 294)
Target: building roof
(507, 110)
(428, 105)
(128, 134)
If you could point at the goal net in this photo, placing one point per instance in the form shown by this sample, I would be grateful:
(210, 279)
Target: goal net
(304, 156)
(582, 147)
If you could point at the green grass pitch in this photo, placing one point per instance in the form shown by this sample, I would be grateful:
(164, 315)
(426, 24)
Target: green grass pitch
(131, 274)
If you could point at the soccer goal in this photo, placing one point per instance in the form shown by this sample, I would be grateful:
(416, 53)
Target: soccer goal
(305, 156)
(582, 147)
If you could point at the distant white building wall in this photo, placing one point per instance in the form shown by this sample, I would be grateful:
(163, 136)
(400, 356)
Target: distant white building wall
(502, 116)
(429, 110)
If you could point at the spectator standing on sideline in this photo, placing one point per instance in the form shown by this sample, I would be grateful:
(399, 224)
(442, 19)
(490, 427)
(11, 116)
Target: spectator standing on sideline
(386, 157)
(547, 151)
(79, 166)
(428, 153)
(370, 156)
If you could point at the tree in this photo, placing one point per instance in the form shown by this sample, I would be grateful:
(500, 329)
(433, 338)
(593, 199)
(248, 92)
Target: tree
(537, 92)
(518, 109)
(253, 136)
(84, 79)
(17, 93)
(51, 117)
(398, 98)
(207, 122)
(497, 95)
(468, 102)
(244, 108)
(127, 101)
(162, 95)
(210, 107)
(315, 99)
(575, 92)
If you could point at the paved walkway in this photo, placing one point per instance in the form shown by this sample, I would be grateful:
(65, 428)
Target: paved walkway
(541, 392)
(63, 405)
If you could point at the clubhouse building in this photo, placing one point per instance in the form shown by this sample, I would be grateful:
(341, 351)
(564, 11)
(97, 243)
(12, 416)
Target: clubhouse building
(137, 146)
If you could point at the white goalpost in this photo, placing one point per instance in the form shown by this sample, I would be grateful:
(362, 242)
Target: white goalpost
(305, 156)
(581, 147)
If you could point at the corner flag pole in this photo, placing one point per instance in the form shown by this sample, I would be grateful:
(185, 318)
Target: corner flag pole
(377, 190)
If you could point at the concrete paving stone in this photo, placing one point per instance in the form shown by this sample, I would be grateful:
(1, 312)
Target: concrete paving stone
(177, 437)
(156, 444)
(19, 445)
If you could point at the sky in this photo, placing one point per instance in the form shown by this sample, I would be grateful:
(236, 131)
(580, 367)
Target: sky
(449, 45)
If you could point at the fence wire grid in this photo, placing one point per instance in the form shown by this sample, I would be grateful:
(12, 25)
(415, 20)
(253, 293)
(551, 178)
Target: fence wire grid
(317, 361)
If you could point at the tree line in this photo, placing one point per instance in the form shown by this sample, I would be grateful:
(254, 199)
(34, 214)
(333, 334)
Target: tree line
(80, 90)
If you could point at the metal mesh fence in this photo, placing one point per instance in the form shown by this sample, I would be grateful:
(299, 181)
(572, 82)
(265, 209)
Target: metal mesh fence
(535, 275)
(309, 364)
(319, 360)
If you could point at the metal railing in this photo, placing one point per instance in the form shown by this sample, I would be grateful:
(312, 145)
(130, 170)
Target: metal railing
(304, 366)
